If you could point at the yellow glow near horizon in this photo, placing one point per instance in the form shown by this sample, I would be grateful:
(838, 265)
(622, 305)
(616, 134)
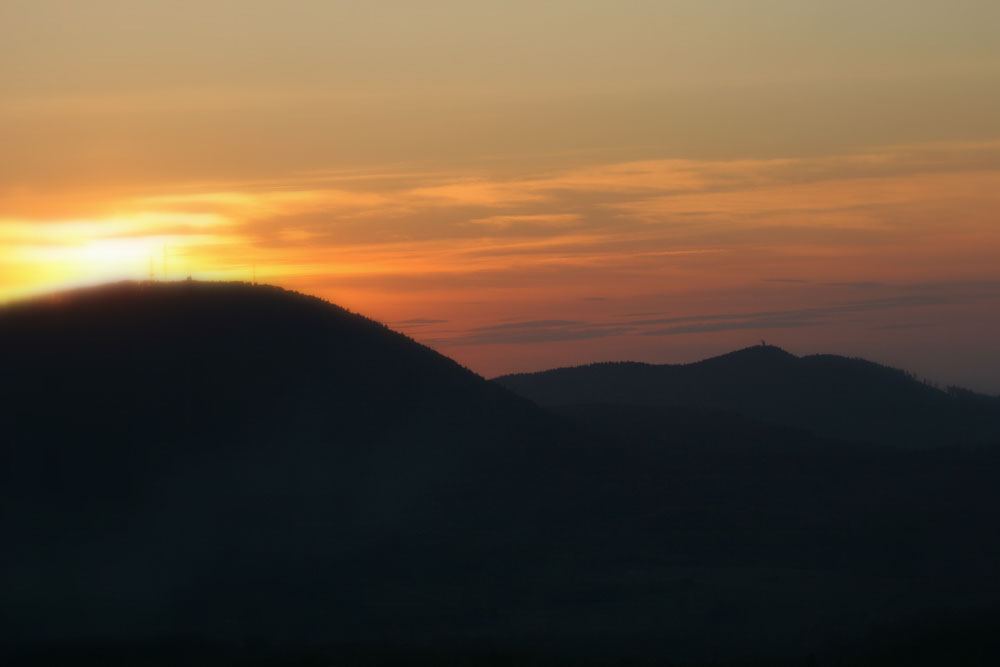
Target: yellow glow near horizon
(440, 228)
(44, 255)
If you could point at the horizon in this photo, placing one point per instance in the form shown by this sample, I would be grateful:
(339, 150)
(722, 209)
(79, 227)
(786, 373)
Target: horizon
(86, 287)
(524, 186)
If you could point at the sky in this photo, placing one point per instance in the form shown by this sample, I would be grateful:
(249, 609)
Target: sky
(523, 185)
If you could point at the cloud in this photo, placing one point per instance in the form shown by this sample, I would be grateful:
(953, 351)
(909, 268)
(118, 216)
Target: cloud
(419, 320)
(533, 324)
(466, 192)
(554, 330)
(862, 284)
(535, 331)
(625, 227)
(897, 327)
(709, 327)
(782, 319)
(556, 220)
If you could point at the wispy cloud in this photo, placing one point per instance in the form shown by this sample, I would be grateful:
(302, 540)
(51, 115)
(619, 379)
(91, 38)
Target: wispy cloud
(412, 242)
(534, 331)
(782, 319)
(419, 320)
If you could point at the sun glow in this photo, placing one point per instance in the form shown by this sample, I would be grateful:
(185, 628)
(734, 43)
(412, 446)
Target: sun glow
(40, 256)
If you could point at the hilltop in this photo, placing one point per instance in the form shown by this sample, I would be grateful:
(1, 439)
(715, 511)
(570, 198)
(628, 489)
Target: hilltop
(832, 396)
(192, 456)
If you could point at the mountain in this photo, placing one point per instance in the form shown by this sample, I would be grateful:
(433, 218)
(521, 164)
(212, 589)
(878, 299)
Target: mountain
(237, 470)
(165, 445)
(832, 396)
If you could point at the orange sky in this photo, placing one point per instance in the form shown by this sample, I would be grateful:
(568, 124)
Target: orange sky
(522, 185)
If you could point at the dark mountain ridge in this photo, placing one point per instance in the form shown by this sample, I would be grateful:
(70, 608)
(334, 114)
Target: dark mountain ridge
(833, 396)
(252, 467)
(165, 444)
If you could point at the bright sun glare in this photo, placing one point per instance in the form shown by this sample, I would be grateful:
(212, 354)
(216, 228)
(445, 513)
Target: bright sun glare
(57, 254)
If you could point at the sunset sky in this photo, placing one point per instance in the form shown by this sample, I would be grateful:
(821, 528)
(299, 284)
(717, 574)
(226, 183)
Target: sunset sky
(523, 185)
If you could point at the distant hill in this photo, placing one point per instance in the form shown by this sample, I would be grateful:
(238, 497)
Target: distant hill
(224, 469)
(835, 397)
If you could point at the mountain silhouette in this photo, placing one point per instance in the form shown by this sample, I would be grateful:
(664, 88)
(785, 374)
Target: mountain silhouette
(166, 444)
(833, 396)
(234, 469)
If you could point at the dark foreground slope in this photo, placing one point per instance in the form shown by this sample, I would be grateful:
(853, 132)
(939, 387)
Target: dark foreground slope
(265, 474)
(237, 459)
(833, 396)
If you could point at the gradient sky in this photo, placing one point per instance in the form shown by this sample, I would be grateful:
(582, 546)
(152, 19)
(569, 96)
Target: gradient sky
(528, 184)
